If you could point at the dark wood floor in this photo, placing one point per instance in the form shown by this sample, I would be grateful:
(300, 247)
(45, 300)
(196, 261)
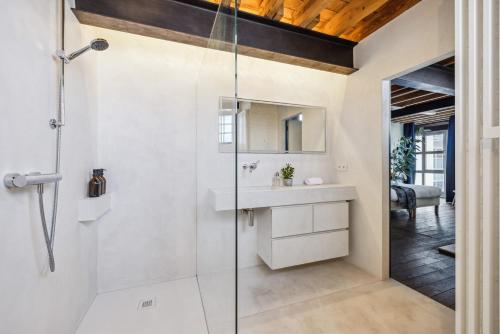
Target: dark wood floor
(415, 259)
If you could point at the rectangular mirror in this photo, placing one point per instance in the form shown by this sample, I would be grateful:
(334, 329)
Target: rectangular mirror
(270, 127)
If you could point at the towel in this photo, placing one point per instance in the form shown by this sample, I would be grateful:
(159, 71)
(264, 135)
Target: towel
(313, 180)
(406, 197)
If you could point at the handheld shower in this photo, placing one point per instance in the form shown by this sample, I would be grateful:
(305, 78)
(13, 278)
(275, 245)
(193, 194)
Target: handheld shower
(98, 44)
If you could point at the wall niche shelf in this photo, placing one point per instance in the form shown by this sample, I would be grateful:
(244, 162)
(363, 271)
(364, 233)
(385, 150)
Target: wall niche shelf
(93, 208)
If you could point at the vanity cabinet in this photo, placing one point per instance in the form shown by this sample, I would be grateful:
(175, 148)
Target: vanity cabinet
(298, 234)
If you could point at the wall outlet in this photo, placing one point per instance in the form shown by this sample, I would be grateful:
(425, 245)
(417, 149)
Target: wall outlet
(342, 167)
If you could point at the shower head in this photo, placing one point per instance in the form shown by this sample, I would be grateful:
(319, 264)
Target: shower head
(98, 44)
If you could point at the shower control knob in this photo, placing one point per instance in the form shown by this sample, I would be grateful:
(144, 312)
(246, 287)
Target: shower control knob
(15, 180)
(20, 181)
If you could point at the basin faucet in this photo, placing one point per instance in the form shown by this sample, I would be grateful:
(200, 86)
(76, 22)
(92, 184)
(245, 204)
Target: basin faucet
(251, 166)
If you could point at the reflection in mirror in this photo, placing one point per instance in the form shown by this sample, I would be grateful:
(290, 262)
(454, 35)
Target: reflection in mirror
(268, 127)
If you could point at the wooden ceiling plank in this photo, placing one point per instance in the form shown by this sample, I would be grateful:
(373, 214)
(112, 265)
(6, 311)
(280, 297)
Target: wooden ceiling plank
(273, 9)
(447, 102)
(351, 14)
(418, 94)
(395, 88)
(409, 118)
(385, 14)
(402, 92)
(411, 93)
(313, 23)
(310, 13)
(416, 118)
(301, 13)
(418, 100)
(423, 121)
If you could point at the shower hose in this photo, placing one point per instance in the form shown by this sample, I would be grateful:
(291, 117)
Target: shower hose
(48, 237)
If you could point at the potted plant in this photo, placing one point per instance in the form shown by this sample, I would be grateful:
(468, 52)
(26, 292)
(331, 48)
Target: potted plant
(287, 174)
(403, 159)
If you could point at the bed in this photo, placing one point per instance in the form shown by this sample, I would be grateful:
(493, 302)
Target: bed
(425, 196)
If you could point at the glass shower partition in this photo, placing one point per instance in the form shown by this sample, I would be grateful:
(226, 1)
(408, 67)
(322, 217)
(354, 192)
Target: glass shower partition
(216, 173)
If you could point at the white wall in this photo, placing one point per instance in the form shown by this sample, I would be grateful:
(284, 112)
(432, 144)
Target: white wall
(33, 300)
(418, 36)
(147, 134)
(155, 99)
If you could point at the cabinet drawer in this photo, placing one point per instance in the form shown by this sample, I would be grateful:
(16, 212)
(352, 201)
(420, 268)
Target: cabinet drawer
(303, 249)
(291, 220)
(331, 216)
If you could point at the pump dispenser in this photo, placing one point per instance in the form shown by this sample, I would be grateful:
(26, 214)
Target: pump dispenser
(276, 180)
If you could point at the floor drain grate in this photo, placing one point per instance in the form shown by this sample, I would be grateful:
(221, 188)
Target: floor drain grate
(146, 304)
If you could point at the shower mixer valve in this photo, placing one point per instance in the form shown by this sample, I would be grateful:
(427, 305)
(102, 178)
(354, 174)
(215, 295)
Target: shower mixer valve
(16, 180)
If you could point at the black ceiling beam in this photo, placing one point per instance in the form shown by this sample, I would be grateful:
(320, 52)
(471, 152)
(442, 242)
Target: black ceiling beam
(446, 102)
(434, 79)
(191, 22)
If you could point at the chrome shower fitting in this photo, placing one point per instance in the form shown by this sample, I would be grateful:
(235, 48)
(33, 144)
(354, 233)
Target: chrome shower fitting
(16, 180)
(20, 181)
(251, 166)
(98, 44)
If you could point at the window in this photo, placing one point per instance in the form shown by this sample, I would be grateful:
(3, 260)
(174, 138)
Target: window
(431, 159)
(225, 129)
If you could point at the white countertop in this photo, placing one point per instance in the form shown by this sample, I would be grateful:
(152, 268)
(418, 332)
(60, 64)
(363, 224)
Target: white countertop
(222, 199)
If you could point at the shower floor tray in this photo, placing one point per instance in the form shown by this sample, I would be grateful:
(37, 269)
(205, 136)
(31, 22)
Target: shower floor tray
(171, 307)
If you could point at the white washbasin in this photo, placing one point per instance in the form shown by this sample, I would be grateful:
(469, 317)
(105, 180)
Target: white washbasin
(222, 199)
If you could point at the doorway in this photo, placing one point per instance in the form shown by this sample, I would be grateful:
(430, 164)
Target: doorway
(422, 185)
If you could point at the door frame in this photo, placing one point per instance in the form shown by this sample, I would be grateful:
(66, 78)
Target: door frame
(386, 144)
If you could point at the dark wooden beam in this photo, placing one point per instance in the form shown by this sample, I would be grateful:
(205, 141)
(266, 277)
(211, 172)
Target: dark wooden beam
(432, 79)
(423, 107)
(191, 22)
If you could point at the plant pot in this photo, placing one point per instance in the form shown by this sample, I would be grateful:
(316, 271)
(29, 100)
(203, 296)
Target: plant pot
(288, 182)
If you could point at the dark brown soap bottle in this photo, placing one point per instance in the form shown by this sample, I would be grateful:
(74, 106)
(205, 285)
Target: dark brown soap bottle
(103, 181)
(95, 185)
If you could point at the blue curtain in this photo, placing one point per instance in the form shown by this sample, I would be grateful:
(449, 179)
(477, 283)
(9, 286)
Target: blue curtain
(450, 160)
(409, 130)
